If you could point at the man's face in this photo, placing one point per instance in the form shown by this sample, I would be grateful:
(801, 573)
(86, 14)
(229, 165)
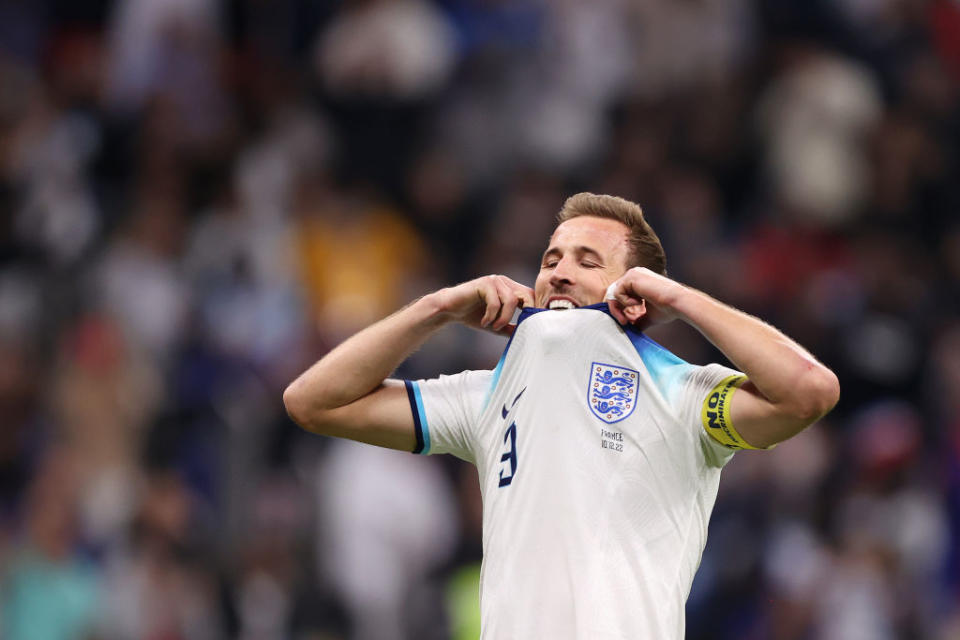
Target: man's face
(586, 255)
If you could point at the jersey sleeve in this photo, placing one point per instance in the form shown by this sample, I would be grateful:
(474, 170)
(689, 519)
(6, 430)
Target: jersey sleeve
(446, 411)
(705, 408)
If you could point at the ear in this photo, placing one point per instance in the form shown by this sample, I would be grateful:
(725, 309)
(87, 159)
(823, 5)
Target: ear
(636, 311)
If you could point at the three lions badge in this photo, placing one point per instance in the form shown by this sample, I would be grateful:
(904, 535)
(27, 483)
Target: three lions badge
(612, 393)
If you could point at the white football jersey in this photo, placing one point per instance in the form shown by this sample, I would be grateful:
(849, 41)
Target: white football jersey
(597, 472)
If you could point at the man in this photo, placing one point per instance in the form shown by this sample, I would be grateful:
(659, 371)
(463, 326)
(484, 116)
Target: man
(599, 452)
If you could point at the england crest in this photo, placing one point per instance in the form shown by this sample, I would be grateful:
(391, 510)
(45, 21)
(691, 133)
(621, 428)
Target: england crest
(612, 393)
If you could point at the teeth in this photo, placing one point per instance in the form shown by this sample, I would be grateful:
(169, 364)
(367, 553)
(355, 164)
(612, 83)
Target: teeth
(562, 304)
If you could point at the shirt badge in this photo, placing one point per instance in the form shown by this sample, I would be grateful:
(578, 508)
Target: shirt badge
(612, 393)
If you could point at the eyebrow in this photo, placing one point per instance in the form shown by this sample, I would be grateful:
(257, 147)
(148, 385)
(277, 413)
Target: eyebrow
(556, 251)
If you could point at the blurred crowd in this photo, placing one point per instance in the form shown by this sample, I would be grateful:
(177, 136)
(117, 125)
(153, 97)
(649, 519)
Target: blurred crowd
(199, 198)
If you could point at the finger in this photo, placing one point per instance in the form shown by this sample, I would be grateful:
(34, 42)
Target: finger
(520, 299)
(525, 293)
(509, 300)
(614, 303)
(625, 306)
(627, 301)
(488, 293)
(635, 311)
(505, 315)
(527, 297)
(622, 293)
(616, 310)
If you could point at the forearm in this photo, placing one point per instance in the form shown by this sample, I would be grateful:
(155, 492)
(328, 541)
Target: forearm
(787, 375)
(346, 394)
(360, 364)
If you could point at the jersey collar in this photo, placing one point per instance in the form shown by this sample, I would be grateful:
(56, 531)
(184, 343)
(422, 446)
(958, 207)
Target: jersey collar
(526, 312)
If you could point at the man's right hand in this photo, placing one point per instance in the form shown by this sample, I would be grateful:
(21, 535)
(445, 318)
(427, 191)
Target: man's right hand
(484, 303)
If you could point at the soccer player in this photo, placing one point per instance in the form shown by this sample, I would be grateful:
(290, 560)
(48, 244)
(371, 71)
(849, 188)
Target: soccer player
(599, 452)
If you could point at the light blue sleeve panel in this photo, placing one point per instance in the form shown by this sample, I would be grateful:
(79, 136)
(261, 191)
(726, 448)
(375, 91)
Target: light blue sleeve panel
(685, 387)
(494, 379)
(446, 412)
(669, 372)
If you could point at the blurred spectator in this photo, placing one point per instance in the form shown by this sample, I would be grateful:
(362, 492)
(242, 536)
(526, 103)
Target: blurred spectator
(272, 595)
(387, 523)
(683, 45)
(50, 591)
(815, 119)
(381, 62)
(138, 279)
(167, 48)
(103, 396)
(360, 258)
(156, 585)
(389, 49)
(48, 154)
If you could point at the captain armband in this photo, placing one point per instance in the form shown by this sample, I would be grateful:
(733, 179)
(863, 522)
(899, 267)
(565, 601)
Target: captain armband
(715, 415)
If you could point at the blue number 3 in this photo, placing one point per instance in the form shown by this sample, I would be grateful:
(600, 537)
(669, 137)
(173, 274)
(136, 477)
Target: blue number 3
(511, 435)
(510, 456)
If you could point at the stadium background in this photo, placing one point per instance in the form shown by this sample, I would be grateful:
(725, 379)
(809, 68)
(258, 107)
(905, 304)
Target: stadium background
(197, 199)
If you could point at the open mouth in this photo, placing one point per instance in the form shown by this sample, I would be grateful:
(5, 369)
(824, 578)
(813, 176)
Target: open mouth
(561, 303)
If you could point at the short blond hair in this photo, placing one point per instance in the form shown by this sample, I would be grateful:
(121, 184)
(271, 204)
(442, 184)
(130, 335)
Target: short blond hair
(645, 249)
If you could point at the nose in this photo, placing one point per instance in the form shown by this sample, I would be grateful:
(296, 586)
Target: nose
(563, 274)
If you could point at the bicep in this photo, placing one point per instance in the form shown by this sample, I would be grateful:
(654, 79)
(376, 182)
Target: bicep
(382, 417)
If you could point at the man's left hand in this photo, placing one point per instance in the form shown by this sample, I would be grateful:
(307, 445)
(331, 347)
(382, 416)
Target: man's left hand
(643, 298)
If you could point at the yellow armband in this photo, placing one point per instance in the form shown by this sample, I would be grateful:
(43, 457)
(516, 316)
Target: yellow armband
(715, 415)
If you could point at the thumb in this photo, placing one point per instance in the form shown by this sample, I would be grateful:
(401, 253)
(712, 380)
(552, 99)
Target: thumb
(612, 290)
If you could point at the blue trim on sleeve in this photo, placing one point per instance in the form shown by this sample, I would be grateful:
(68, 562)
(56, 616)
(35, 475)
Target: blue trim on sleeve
(496, 377)
(423, 419)
(422, 431)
